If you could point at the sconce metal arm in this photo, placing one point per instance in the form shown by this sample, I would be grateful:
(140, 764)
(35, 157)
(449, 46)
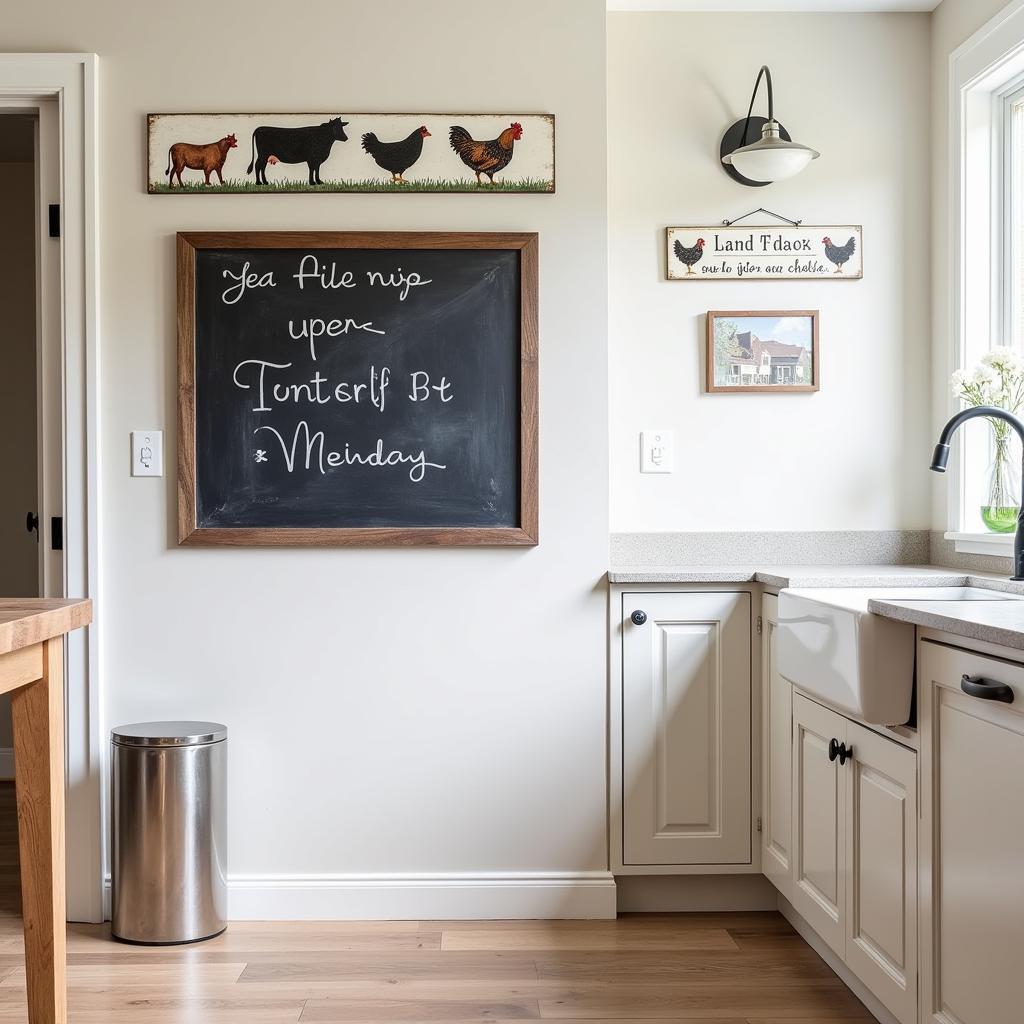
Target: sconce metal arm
(766, 74)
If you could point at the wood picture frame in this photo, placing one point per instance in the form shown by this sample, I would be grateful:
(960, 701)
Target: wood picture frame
(755, 365)
(524, 532)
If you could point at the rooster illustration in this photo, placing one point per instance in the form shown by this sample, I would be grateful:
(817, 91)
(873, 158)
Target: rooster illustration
(396, 157)
(485, 157)
(689, 256)
(839, 254)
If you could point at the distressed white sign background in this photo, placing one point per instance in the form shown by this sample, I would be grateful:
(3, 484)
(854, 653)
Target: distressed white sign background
(760, 252)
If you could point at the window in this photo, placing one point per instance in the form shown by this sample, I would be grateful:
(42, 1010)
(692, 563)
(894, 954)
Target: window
(986, 245)
(1013, 217)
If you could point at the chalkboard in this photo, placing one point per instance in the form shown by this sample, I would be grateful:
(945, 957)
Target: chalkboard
(357, 388)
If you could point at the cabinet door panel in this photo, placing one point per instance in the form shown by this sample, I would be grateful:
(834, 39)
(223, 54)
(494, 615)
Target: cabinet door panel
(819, 808)
(777, 762)
(686, 730)
(972, 837)
(881, 869)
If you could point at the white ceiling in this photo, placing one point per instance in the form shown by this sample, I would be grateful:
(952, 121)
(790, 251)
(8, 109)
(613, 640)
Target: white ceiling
(830, 6)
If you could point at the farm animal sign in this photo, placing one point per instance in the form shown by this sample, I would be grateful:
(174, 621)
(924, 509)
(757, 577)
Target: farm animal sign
(357, 388)
(761, 252)
(193, 154)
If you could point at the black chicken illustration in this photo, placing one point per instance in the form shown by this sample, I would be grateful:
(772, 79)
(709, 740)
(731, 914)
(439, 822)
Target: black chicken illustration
(485, 157)
(396, 157)
(689, 256)
(839, 254)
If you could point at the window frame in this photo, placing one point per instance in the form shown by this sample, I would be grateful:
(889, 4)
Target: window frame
(986, 78)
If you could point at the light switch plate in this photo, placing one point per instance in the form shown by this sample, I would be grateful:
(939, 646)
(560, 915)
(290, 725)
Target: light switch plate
(147, 453)
(657, 453)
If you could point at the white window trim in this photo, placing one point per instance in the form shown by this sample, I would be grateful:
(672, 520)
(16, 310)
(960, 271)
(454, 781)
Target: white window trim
(982, 72)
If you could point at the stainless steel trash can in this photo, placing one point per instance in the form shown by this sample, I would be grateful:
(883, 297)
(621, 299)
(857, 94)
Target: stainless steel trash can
(169, 825)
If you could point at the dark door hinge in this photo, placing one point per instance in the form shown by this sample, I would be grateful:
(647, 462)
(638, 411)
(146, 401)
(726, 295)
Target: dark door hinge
(55, 220)
(57, 533)
(760, 625)
(758, 824)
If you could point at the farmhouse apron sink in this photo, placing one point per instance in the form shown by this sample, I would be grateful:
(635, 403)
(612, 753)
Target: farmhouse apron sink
(833, 648)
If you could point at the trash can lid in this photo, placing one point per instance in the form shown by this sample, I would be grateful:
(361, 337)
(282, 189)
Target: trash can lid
(169, 734)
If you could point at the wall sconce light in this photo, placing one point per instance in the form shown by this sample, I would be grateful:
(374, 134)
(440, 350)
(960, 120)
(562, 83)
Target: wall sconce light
(773, 157)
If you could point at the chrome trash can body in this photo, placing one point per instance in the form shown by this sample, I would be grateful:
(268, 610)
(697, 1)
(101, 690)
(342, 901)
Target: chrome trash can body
(169, 832)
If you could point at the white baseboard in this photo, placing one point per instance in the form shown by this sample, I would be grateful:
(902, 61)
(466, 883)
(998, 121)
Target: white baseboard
(418, 896)
(825, 951)
(7, 764)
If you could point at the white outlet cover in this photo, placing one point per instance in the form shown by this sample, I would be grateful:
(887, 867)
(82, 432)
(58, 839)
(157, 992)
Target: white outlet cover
(147, 453)
(657, 451)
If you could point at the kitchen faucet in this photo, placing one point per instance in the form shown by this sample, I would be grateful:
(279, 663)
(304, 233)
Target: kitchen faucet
(941, 457)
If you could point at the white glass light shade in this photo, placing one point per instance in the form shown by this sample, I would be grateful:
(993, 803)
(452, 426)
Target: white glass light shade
(772, 158)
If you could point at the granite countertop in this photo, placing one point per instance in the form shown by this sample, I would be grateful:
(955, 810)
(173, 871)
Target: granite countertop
(997, 621)
(797, 575)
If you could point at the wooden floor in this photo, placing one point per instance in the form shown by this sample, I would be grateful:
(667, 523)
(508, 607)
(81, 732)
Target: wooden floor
(726, 968)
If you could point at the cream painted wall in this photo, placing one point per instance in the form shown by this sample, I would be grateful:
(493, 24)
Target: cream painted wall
(953, 23)
(853, 456)
(390, 710)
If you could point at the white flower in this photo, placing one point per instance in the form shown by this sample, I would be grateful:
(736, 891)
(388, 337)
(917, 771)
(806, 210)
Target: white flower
(1005, 360)
(982, 375)
(957, 381)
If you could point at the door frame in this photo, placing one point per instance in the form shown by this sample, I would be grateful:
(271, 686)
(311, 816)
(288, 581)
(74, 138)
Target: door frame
(71, 79)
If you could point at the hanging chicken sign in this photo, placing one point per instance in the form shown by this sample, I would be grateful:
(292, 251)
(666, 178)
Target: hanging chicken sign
(762, 252)
(341, 151)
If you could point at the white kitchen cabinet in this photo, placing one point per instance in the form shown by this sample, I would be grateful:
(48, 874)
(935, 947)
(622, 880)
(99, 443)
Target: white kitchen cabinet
(881, 868)
(685, 729)
(819, 821)
(972, 838)
(855, 849)
(776, 759)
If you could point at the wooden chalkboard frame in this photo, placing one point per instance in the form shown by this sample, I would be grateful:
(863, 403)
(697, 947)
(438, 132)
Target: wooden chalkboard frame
(189, 531)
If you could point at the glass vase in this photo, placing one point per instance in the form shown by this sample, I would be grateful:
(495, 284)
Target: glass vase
(1003, 491)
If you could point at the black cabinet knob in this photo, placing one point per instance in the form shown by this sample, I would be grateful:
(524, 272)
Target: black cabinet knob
(840, 750)
(638, 617)
(31, 522)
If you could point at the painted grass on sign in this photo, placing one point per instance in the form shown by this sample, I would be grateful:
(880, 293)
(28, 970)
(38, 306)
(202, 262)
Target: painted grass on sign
(240, 186)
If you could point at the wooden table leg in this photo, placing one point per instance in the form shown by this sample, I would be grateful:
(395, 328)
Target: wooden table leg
(37, 712)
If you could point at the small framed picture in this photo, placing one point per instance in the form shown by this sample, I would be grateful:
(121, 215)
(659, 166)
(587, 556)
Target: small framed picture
(766, 350)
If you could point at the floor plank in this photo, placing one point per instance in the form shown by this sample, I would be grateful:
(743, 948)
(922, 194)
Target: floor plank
(552, 935)
(317, 1010)
(135, 975)
(797, 963)
(304, 967)
(816, 999)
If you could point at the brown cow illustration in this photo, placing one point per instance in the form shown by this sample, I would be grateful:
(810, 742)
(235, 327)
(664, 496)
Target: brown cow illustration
(206, 158)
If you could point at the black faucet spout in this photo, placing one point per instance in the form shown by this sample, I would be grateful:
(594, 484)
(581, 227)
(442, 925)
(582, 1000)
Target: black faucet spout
(941, 456)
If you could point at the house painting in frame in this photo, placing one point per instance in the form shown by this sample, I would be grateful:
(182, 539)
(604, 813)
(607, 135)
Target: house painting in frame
(762, 351)
(338, 151)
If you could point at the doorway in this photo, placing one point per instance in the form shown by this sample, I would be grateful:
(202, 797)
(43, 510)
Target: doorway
(19, 557)
(31, 464)
(57, 92)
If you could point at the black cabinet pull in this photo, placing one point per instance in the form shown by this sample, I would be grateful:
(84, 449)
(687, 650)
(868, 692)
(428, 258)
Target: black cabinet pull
(840, 750)
(986, 689)
(638, 617)
(31, 522)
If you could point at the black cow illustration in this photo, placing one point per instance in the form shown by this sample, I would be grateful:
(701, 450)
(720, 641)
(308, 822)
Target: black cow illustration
(307, 145)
